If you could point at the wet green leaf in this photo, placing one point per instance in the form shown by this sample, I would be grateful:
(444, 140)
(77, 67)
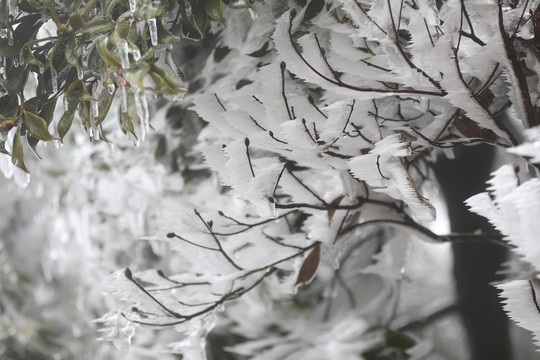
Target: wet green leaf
(47, 111)
(4, 14)
(136, 76)
(84, 95)
(37, 126)
(67, 118)
(108, 56)
(17, 156)
(98, 26)
(30, 58)
(109, 6)
(213, 8)
(71, 52)
(164, 84)
(164, 35)
(104, 104)
(148, 54)
(76, 21)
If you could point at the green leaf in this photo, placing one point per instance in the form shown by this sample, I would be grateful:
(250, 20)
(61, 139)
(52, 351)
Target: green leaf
(164, 35)
(213, 8)
(17, 156)
(84, 95)
(37, 126)
(67, 118)
(31, 59)
(25, 6)
(200, 15)
(104, 104)
(98, 26)
(150, 12)
(4, 14)
(76, 21)
(313, 9)
(3, 149)
(109, 6)
(135, 76)
(52, 54)
(54, 16)
(148, 54)
(164, 84)
(71, 52)
(108, 56)
(47, 111)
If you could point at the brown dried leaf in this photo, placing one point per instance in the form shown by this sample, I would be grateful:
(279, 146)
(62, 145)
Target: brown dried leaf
(468, 127)
(310, 265)
(334, 203)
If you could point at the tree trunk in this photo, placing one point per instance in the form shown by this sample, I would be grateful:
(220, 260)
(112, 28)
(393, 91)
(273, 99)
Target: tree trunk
(475, 264)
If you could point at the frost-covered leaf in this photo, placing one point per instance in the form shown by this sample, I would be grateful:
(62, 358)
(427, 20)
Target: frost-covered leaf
(521, 302)
(384, 171)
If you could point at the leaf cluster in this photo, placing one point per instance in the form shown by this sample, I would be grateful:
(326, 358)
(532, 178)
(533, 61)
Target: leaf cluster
(87, 52)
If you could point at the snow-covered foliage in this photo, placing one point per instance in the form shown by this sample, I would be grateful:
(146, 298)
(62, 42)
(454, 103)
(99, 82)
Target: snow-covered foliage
(304, 231)
(511, 205)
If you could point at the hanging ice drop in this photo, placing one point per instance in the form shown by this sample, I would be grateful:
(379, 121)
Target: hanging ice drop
(123, 90)
(122, 47)
(152, 27)
(111, 88)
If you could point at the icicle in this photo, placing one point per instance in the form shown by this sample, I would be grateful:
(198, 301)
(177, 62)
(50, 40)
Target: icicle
(122, 47)
(112, 150)
(92, 130)
(25, 179)
(142, 110)
(152, 27)
(80, 74)
(133, 6)
(136, 54)
(54, 80)
(123, 90)
(10, 37)
(41, 69)
(111, 88)
(16, 62)
(95, 108)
